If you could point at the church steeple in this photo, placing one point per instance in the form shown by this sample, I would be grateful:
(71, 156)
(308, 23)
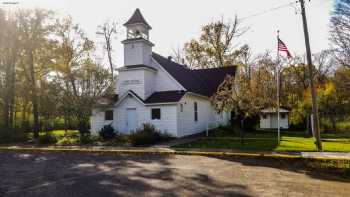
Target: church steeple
(137, 26)
(137, 47)
(137, 18)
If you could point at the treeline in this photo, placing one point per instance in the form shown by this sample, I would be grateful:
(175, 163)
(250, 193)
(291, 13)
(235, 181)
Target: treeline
(50, 79)
(48, 74)
(255, 88)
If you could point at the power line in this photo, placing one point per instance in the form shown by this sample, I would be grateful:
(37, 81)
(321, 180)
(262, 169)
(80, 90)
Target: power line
(269, 10)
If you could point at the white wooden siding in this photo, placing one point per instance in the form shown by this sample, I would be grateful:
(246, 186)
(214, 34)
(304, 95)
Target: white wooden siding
(137, 52)
(145, 78)
(270, 122)
(167, 123)
(98, 120)
(206, 114)
(163, 80)
(149, 77)
(168, 120)
(126, 75)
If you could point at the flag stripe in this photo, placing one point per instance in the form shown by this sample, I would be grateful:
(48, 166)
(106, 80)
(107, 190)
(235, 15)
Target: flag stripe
(282, 47)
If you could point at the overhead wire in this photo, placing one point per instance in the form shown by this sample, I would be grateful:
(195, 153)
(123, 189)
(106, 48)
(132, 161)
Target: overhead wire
(268, 10)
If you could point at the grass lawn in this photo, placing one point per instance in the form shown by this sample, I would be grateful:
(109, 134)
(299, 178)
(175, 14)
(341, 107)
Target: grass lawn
(267, 141)
(57, 133)
(70, 137)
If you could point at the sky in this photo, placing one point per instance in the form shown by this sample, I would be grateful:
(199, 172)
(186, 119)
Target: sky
(175, 22)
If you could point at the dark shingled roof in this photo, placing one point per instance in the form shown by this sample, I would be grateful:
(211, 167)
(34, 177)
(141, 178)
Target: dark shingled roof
(203, 81)
(138, 66)
(156, 97)
(165, 97)
(214, 77)
(137, 18)
(107, 100)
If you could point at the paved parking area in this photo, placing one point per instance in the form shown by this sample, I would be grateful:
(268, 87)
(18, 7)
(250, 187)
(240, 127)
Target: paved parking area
(73, 174)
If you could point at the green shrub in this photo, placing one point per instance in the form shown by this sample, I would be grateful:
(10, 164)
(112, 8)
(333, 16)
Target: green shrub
(343, 126)
(47, 139)
(251, 123)
(107, 132)
(67, 141)
(86, 138)
(227, 128)
(326, 124)
(148, 135)
(12, 135)
(119, 140)
(223, 131)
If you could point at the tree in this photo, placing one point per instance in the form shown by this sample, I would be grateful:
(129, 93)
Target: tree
(331, 103)
(46, 72)
(247, 95)
(9, 52)
(247, 61)
(81, 80)
(215, 47)
(324, 63)
(295, 81)
(341, 80)
(49, 102)
(179, 57)
(340, 31)
(108, 30)
(34, 29)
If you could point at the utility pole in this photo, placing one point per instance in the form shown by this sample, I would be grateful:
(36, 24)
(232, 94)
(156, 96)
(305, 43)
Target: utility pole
(311, 75)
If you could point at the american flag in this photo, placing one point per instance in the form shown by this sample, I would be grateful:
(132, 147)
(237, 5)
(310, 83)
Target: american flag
(282, 47)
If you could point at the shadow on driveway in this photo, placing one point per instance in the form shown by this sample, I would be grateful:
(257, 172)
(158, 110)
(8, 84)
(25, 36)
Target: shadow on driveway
(60, 174)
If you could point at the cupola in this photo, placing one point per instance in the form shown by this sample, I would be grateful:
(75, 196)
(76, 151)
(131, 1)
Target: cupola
(137, 47)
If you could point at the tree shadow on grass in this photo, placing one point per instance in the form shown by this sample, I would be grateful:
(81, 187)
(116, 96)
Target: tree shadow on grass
(48, 174)
(234, 144)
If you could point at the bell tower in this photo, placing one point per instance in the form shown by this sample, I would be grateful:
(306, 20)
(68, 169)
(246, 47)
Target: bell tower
(137, 47)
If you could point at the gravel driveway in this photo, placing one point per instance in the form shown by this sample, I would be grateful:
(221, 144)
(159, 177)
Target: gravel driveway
(72, 174)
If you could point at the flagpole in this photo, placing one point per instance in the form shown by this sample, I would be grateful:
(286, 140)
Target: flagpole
(278, 91)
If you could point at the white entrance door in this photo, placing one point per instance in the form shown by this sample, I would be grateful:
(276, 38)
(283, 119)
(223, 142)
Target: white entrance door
(273, 119)
(131, 119)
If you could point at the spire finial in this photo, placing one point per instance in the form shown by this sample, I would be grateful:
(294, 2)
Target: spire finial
(137, 18)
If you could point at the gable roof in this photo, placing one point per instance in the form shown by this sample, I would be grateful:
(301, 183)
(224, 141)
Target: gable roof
(202, 81)
(165, 97)
(137, 66)
(106, 100)
(213, 77)
(274, 110)
(137, 18)
(156, 98)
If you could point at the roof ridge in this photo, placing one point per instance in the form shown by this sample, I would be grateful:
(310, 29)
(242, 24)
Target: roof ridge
(171, 91)
(182, 65)
(217, 68)
(200, 81)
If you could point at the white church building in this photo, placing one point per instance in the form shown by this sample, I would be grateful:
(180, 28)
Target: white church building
(154, 89)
